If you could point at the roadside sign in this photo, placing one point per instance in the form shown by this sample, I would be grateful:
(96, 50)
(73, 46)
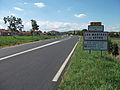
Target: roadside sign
(95, 40)
(95, 23)
(95, 28)
(95, 36)
(95, 45)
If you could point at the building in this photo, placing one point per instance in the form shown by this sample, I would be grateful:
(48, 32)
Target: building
(37, 32)
(53, 32)
(27, 33)
(3, 32)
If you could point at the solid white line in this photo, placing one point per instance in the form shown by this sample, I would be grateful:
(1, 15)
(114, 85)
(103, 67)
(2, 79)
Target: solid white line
(56, 77)
(33, 49)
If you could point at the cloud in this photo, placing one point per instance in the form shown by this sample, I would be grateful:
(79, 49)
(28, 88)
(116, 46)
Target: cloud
(79, 15)
(1, 27)
(18, 9)
(112, 28)
(59, 26)
(40, 5)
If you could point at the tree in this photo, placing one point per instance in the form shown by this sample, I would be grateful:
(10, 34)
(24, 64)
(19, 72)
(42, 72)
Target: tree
(34, 26)
(14, 24)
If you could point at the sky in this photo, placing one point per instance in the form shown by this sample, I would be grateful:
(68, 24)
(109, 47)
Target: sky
(63, 15)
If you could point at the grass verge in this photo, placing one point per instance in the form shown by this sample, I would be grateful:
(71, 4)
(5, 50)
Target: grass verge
(91, 72)
(11, 41)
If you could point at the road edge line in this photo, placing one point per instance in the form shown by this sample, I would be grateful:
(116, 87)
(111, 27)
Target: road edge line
(58, 74)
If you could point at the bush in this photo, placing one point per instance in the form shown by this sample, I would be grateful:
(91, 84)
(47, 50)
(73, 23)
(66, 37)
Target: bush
(115, 51)
(110, 47)
(113, 48)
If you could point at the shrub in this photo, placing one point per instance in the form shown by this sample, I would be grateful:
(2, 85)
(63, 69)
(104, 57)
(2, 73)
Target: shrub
(110, 47)
(115, 51)
(113, 48)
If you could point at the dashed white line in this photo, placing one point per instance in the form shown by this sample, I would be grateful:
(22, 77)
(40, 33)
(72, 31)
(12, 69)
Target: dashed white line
(56, 77)
(33, 49)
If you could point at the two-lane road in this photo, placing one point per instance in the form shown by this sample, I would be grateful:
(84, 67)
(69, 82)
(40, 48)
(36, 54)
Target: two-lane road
(33, 66)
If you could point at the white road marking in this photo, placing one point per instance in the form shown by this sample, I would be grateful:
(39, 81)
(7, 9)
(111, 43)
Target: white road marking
(56, 77)
(33, 49)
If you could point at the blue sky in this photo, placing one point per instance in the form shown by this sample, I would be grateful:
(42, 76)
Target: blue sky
(63, 15)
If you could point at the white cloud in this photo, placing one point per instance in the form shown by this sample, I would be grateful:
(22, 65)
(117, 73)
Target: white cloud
(79, 15)
(59, 26)
(40, 5)
(18, 9)
(1, 27)
(113, 28)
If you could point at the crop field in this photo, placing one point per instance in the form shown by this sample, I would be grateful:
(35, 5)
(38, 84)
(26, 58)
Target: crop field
(10, 40)
(91, 72)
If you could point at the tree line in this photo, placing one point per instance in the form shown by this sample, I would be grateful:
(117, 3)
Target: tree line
(15, 24)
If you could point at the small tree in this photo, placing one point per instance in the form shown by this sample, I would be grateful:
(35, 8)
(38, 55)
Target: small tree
(34, 26)
(14, 24)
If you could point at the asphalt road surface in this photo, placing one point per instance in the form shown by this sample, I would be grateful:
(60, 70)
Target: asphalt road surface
(33, 66)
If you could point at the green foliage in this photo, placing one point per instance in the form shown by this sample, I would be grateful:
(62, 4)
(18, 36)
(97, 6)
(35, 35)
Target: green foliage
(110, 47)
(113, 48)
(34, 25)
(91, 72)
(14, 24)
(81, 32)
(115, 51)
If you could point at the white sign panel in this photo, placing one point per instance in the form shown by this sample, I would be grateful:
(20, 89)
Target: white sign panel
(96, 36)
(95, 28)
(95, 45)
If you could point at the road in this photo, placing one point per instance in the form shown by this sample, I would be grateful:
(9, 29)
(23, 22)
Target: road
(33, 66)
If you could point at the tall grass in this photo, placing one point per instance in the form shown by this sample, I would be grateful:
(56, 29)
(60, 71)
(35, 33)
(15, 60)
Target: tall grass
(91, 72)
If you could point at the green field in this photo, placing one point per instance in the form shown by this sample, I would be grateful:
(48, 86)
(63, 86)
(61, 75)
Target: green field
(10, 40)
(91, 72)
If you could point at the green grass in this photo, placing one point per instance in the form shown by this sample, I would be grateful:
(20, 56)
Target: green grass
(114, 38)
(91, 72)
(10, 41)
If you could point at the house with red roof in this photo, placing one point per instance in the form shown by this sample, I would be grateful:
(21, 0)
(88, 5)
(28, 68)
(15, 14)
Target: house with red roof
(53, 32)
(3, 32)
(37, 32)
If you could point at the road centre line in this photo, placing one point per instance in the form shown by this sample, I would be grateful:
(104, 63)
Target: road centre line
(6, 57)
(56, 77)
